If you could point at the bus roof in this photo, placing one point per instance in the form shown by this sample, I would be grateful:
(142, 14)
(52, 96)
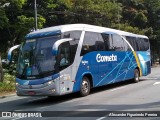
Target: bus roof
(69, 27)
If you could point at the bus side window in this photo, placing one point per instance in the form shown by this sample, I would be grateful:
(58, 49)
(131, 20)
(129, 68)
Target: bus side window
(106, 41)
(100, 44)
(92, 42)
(72, 34)
(89, 42)
(143, 44)
(118, 43)
(133, 42)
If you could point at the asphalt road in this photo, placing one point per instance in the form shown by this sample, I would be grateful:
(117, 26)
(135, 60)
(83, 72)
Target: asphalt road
(125, 97)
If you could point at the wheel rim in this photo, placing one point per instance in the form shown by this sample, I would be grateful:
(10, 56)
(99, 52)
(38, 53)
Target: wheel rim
(85, 86)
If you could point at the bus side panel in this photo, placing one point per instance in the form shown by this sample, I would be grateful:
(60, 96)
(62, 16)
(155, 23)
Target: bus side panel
(87, 66)
(106, 67)
(116, 71)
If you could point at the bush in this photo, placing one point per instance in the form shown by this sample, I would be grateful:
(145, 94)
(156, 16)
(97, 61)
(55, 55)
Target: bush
(8, 84)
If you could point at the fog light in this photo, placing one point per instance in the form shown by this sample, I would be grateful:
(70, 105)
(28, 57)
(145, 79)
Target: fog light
(53, 90)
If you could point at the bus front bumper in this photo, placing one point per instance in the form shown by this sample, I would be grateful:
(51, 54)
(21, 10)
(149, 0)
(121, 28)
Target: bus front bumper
(50, 89)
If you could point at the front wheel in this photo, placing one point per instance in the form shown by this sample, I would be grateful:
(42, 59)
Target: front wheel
(136, 76)
(85, 87)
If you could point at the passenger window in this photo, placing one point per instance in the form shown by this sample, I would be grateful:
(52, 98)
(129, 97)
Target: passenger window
(138, 44)
(100, 44)
(106, 41)
(92, 42)
(117, 43)
(72, 34)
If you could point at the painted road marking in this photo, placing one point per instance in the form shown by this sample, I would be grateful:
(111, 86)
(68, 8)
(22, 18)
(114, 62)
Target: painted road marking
(150, 78)
(156, 83)
(101, 118)
(16, 118)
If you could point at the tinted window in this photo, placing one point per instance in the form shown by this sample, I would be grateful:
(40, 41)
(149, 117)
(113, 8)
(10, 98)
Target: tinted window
(67, 52)
(138, 44)
(73, 49)
(100, 46)
(64, 54)
(74, 43)
(133, 43)
(92, 42)
(106, 41)
(117, 43)
(72, 34)
(143, 44)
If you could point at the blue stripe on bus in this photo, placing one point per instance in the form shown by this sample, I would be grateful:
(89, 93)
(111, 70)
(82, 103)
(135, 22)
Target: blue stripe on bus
(145, 62)
(114, 71)
(42, 34)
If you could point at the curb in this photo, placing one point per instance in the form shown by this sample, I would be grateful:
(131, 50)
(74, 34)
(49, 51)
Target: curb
(5, 96)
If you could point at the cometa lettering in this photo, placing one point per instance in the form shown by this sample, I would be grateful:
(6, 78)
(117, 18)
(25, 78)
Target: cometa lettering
(110, 58)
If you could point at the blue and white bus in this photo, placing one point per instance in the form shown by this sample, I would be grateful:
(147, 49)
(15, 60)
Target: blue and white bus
(77, 57)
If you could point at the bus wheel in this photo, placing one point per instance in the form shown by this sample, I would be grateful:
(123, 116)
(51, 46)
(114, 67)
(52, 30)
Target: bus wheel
(136, 76)
(85, 87)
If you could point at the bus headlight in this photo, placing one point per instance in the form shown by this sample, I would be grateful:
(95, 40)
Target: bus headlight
(49, 83)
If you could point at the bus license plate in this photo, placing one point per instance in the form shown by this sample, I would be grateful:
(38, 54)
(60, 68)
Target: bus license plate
(31, 92)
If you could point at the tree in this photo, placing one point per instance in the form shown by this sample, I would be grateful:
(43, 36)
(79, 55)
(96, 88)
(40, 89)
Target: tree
(19, 21)
(1, 70)
(137, 16)
(153, 8)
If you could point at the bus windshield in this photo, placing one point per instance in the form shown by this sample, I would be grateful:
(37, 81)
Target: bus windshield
(36, 57)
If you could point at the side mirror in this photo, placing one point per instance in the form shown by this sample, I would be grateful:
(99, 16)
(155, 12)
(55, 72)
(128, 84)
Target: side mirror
(10, 52)
(57, 44)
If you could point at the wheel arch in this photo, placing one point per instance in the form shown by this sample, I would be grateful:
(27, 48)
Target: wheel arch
(138, 70)
(90, 77)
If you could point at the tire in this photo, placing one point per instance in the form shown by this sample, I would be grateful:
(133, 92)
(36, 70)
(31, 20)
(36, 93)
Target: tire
(136, 76)
(85, 87)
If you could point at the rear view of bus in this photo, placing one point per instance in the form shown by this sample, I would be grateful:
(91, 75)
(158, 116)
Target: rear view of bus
(141, 46)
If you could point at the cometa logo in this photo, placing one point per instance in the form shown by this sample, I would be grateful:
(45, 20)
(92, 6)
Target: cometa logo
(110, 58)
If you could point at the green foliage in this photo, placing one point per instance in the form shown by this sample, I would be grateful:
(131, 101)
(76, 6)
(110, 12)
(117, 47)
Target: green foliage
(3, 18)
(128, 28)
(9, 83)
(140, 20)
(20, 3)
(137, 16)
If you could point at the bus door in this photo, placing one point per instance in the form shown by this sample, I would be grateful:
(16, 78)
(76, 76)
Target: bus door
(65, 62)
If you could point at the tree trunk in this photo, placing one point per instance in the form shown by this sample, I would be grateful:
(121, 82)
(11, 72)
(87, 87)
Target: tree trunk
(1, 70)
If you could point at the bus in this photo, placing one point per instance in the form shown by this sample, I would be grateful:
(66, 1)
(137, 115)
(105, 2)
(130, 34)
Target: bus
(77, 57)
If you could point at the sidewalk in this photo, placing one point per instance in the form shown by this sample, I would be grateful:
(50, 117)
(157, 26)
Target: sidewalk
(7, 94)
(155, 65)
